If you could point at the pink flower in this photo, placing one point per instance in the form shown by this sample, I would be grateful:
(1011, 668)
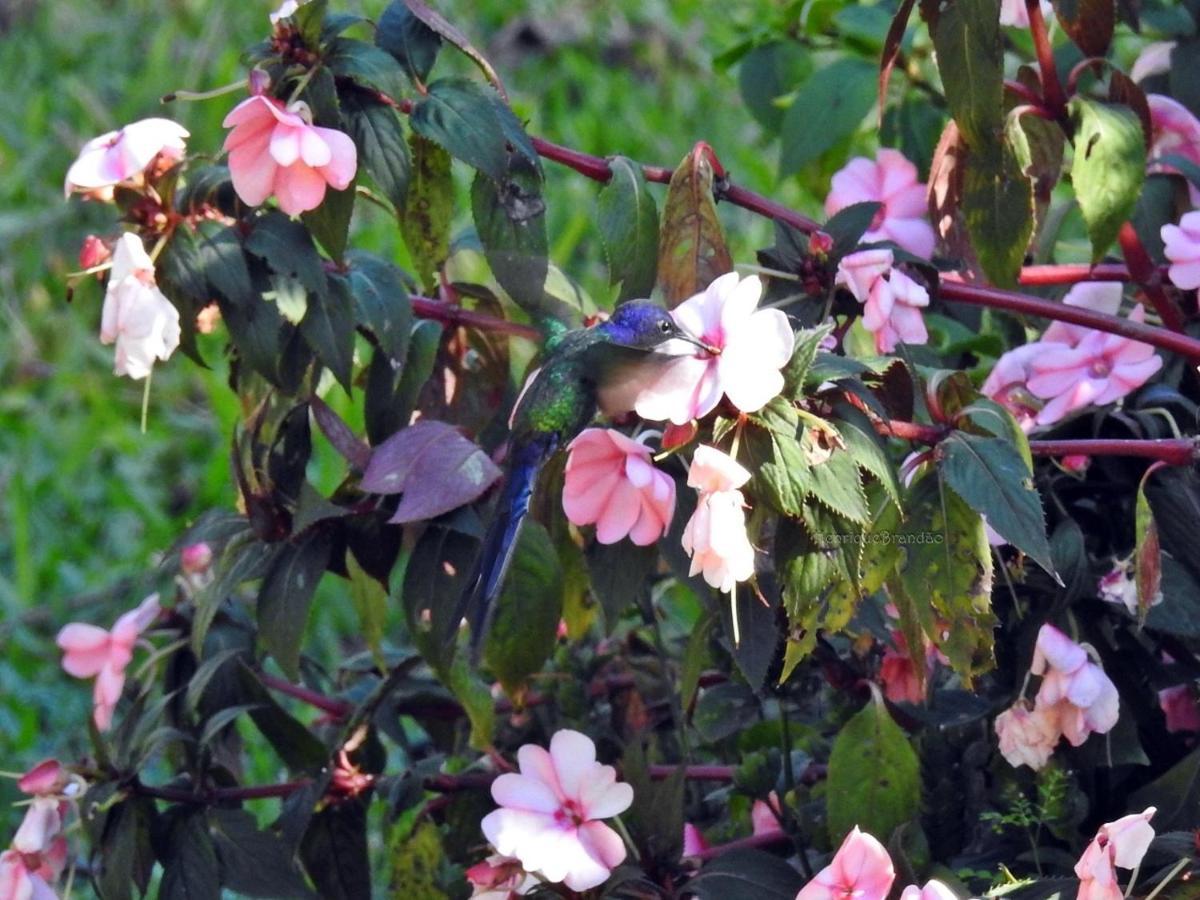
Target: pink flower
(194, 559)
(694, 842)
(861, 869)
(1101, 369)
(1174, 132)
(892, 181)
(764, 815)
(753, 344)
(273, 150)
(1098, 296)
(500, 878)
(1084, 697)
(898, 671)
(118, 156)
(892, 300)
(611, 483)
(1181, 246)
(42, 823)
(20, 880)
(89, 651)
(1119, 588)
(1179, 705)
(46, 778)
(1027, 736)
(1155, 59)
(1006, 383)
(550, 813)
(137, 316)
(933, 890)
(1121, 843)
(1014, 13)
(715, 536)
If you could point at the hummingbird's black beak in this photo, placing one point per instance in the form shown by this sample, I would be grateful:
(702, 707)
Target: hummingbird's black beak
(707, 348)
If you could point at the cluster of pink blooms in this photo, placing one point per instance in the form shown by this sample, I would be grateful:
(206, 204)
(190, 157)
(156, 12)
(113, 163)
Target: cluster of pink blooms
(1072, 367)
(37, 855)
(137, 316)
(1075, 699)
(91, 652)
(892, 301)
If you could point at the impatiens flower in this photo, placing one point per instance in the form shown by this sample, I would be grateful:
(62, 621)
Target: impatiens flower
(137, 316)
(277, 150)
(1122, 844)
(764, 815)
(1028, 736)
(715, 536)
(694, 842)
(194, 559)
(891, 180)
(611, 483)
(1098, 296)
(1119, 588)
(933, 890)
(89, 651)
(1102, 368)
(118, 156)
(1180, 708)
(500, 878)
(753, 345)
(892, 301)
(1084, 697)
(1155, 59)
(46, 778)
(1181, 246)
(20, 879)
(861, 869)
(41, 825)
(1014, 13)
(1174, 132)
(549, 816)
(898, 671)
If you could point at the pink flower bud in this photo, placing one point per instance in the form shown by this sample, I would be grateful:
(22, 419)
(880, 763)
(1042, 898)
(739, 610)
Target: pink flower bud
(820, 243)
(46, 778)
(93, 252)
(195, 559)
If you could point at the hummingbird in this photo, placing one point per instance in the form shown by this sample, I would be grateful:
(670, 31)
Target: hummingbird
(585, 370)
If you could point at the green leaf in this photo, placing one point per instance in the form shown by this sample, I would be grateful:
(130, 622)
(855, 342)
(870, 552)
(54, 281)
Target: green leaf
(874, 779)
(1175, 794)
(725, 710)
(382, 147)
(286, 595)
(837, 483)
(839, 96)
(428, 208)
(410, 41)
(309, 19)
(619, 573)
(768, 73)
(847, 226)
(808, 344)
(296, 745)
(391, 397)
(628, 221)
(253, 863)
(462, 116)
(867, 448)
(334, 851)
(330, 222)
(746, 875)
(694, 658)
(1089, 23)
(285, 246)
(997, 205)
(525, 628)
(691, 250)
(366, 64)
(190, 868)
(990, 475)
(1108, 169)
(382, 302)
(371, 605)
(655, 819)
(328, 328)
(125, 855)
(476, 698)
(970, 57)
(1147, 553)
(782, 474)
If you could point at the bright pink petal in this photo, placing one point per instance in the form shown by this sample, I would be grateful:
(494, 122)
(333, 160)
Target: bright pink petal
(299, 189)
(85, 649)
(620, 513)
(343, 158)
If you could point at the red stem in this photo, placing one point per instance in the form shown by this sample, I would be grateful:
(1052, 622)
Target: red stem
(337, 708)
(1052, 89)
(1073, 273)
(428, 308)
(753, 842)
(1149, 276)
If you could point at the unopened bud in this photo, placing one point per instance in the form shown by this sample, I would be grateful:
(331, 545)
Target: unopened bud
(93, 252)
(820, 243)
(195, 559)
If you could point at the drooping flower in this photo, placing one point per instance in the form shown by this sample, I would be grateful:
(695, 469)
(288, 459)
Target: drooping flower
(1084, 697)
(21, 878)
(1015, 14)
(753, 344)
(933, 890)
(550, 814)
(1181, 246)
(137, 316)
(500, 878)
(1154, 59)
(118, 156)
(1180, 707)
(1028, 736)
(277, 150)
(1174, 132)
(1122, 844)
(891, 180)
(90, 651)
(46, 778)
(892, 301)
(41, 825)
(715, 536)
(861, 869)
(611, 483)
(694, 842)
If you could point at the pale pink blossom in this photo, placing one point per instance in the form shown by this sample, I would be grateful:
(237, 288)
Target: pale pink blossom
(861, 869)
(715, 536)
(46, 778)
(118, 156)
(1174, 132)
(1100, 369)
(694, 842)
(285, 10)
(933, 890)
(891, 180)
(20, 878)
(1084, 697)
(277, 150)
(1098, 296)
(1155, 59)
(1181, 246)
(500, 878)
(90, 651)
(40, 826)
(1180, 708)
(1119, 588)
(1122, 844)
(764, 815)
(1006, 383)
(1028, 736)
(549, 816)
(137, 316)
(892, 301)
(1014, 13)
(610, 482)
(751, 345)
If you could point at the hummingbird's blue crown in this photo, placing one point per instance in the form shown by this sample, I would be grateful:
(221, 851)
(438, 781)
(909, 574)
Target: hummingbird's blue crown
(642, 325)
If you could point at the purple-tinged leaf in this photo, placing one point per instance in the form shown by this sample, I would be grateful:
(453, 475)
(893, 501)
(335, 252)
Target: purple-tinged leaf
(338, 433)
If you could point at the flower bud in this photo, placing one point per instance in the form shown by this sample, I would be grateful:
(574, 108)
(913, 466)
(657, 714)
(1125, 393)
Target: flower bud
(195, 559)
(93, 252)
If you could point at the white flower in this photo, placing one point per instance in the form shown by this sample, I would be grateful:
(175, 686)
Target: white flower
(137, 317)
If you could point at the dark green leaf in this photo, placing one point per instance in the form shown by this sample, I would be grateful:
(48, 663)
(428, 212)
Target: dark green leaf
(970, 56)
(847, 226)
(619, 573)
(284, 244)
(808, 343)
(1108, 169)
(874, 776)
(656, 817)
(1089, 23)
(767, 73)
(413, 43)
(190, 867)
(328, 328)
(837, 483)
(725, 710)
(286, 594)
(391, 396)
(511, 221)
(382, 302)
(125, 855)
(371, 604)
(428, 208)
(295, 744)
(628, 221)
(220, 720)
(997, 206)
(366, 64)
(839, 96)
(1175, 794)
(462, 117)
(691, 252)
(382, 147)
(746, 875)
(253, 863)
(330, 222)
(867, 448)
(334, 851)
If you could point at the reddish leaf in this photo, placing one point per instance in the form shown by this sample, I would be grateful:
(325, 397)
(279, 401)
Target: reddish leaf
(433, 466)
(691, 250)
(945, 200)
(891, 49)
(1123, 89)
(1089, 23)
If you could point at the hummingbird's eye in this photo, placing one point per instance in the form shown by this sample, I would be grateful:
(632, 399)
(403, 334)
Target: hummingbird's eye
(664, 326)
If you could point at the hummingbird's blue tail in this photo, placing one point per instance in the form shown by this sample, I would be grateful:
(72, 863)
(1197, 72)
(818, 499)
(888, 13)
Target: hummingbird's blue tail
(500, 541)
